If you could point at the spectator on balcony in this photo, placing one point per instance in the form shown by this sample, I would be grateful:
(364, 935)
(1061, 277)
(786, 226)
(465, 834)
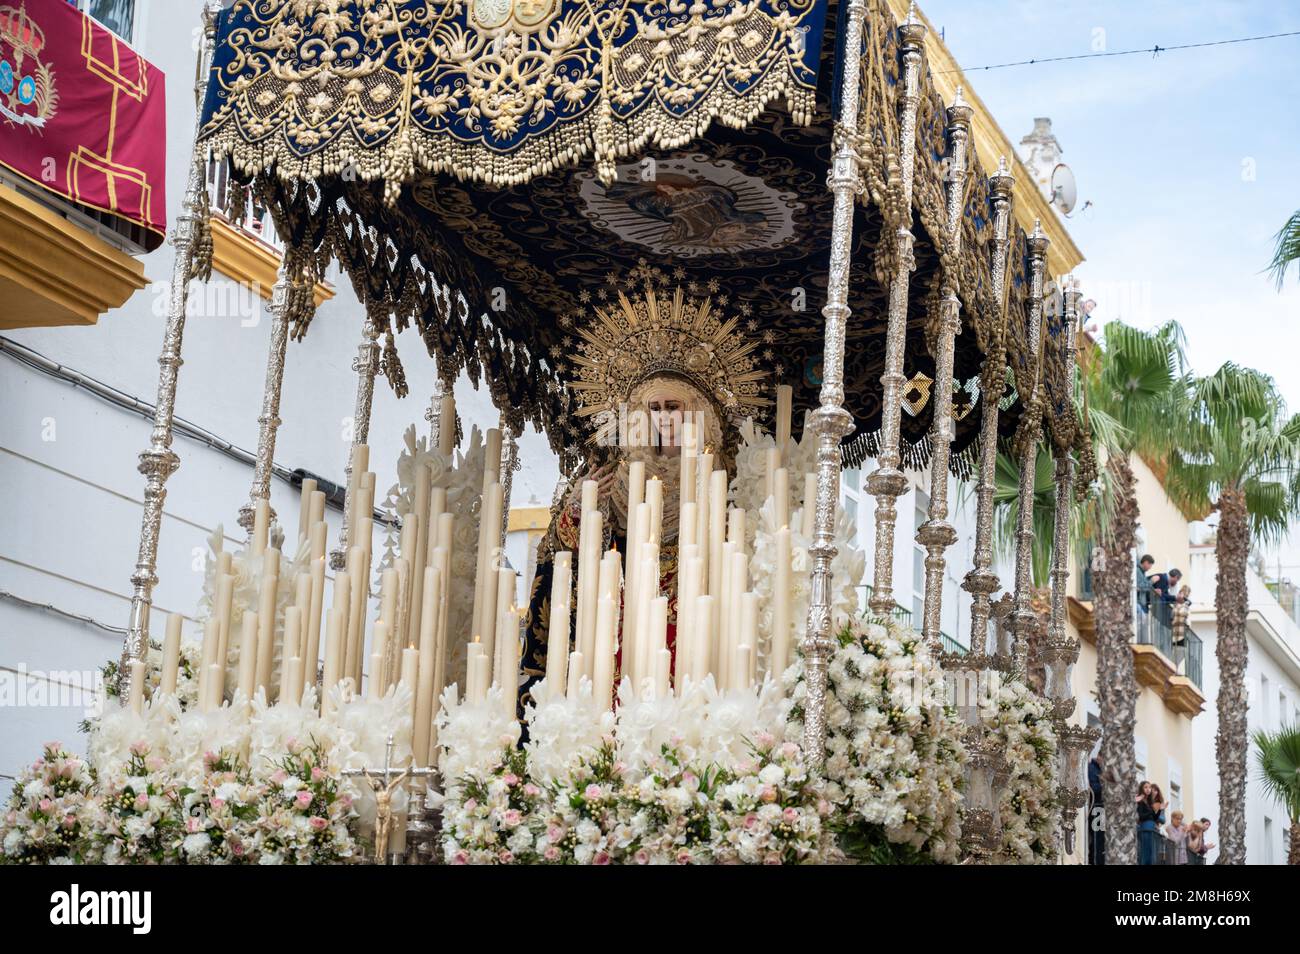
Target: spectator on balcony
(1150, 816)
(1165, 596)
(1177, 834)
(1143, 582)
(1198, 844)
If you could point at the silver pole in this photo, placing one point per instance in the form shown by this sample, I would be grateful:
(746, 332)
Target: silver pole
(159, 461)
(366, 365)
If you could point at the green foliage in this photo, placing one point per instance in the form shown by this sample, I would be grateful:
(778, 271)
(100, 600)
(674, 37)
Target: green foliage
(1278, 760)
(1287, 251)
(1237, 434)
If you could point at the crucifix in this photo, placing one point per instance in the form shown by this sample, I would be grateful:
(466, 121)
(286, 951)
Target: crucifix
(384, 784)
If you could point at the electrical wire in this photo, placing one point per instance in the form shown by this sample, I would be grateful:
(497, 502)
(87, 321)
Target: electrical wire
(51, 608)
(1153, 50)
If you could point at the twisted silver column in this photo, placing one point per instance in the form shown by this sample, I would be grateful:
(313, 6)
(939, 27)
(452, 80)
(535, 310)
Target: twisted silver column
(366, 365)
(981, 582)
(1022, 617)
(831, 422)
(887, 483)
(1064, 478)
(937, 534)
(509, 464)
(159, 461)
(268, 423)
(434, 414)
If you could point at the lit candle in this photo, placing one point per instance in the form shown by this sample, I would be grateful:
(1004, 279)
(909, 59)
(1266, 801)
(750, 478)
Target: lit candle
(171, 654)
(654, 498)
(410, 669)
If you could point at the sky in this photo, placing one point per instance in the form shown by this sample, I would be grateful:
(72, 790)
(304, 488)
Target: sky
(1191, 159)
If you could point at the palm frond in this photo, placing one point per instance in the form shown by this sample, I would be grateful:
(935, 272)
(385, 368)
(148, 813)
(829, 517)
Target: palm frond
(1287, 250)
(1277, 758)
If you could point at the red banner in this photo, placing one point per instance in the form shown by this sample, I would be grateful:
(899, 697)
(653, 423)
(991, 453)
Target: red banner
(82, 114)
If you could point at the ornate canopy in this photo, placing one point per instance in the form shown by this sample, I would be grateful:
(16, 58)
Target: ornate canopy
(486, 170)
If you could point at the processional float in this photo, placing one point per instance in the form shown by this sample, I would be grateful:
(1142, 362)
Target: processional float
(479, 169)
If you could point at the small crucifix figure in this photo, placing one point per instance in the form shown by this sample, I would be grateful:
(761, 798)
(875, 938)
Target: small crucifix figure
(384, 784)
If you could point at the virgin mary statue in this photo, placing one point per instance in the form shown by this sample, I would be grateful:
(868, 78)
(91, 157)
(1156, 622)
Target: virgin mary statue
(654, 366)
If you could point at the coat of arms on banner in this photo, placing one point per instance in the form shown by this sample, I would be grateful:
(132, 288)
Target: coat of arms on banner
(27, 93)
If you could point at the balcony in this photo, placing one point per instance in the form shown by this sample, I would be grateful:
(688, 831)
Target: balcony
(903, 617)
(249, 251)
(1172, 668)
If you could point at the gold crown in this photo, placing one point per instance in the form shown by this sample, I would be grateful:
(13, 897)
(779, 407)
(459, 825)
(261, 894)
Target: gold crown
(664, 330)
(21, 30)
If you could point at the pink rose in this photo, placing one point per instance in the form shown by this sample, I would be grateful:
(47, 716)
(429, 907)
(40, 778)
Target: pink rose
(511, 779)
(551, 853)
(531, 790)
(318, 823)
(602, 858)
(765, 739)
(505, 857)
(750, 821)
(683, 857)
(217, 803)
(823, 807)
(139, 747)
(593, 792)
(45, 805)
(317, 773)
(772, 858)
(555, 833)
(768, 794)
(303, 799)
(511, 817)
(460, 858)
(790, 815)
(279, 777)
(69, 821)
(642, 857)
(141, 802)
(345, 801)
(192, 826)
(471, 804)
(154, 763)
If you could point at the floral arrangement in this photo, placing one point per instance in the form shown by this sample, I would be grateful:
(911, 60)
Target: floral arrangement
(187, 682)
(238, 785)
(1020, 723)
(894, 754)
(767, 810)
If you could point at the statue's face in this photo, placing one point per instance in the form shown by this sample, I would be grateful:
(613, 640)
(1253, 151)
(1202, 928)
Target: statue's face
(668, 404)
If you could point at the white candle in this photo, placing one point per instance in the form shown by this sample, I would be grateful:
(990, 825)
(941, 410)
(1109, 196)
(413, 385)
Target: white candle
(424, 699)
(739, 582)
(248, 655)
(687, 525)
(225, 610)
(378, 649)
(781, 498)
(335, 622)
(447, 425)
(702, 640)
(295, 681)
(771, 461)
(319, 538)
(740, 667)
(311, 654)
(736, 526)
(557, 638)
(749, 633)
(292, 626)
(717, 529)
(316, 516)
(137, 687)
(663, 662)
(304, 508)
(704, 474)
(506, 644)
(603, 665)
(171, 654)
(485, 582)
(492, 453)
(784, 408)
(724, 618)
(647, 592)
(261, 525)
(441, 563)
(574, 679)
(214, 675)
(410, 670)
(781, 605)
(654, 498)
(690, 572)
(360, 461)
(482, 665)
(686, 484)
(589, 543)
(207, 655)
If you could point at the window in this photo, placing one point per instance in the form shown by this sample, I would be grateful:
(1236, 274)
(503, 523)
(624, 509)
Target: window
(1264, 702)
(1268, 840)
(1281, 707)
(1140, 753)
(1175, 787)
(852, 479)
(116, 15)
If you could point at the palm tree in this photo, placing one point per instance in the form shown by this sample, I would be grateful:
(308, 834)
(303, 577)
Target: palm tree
(1136, 380)
(1241, 457)
(1278, 758)
(1287, 252)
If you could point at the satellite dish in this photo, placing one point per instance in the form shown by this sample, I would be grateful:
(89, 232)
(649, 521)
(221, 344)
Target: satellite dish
(1064, 192)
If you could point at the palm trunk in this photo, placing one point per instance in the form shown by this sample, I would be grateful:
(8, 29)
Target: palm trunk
(1293, 856)
(1231, 550)
(1117, 690)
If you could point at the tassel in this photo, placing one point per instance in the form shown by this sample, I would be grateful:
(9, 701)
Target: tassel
(390, 366)
(201, 248)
